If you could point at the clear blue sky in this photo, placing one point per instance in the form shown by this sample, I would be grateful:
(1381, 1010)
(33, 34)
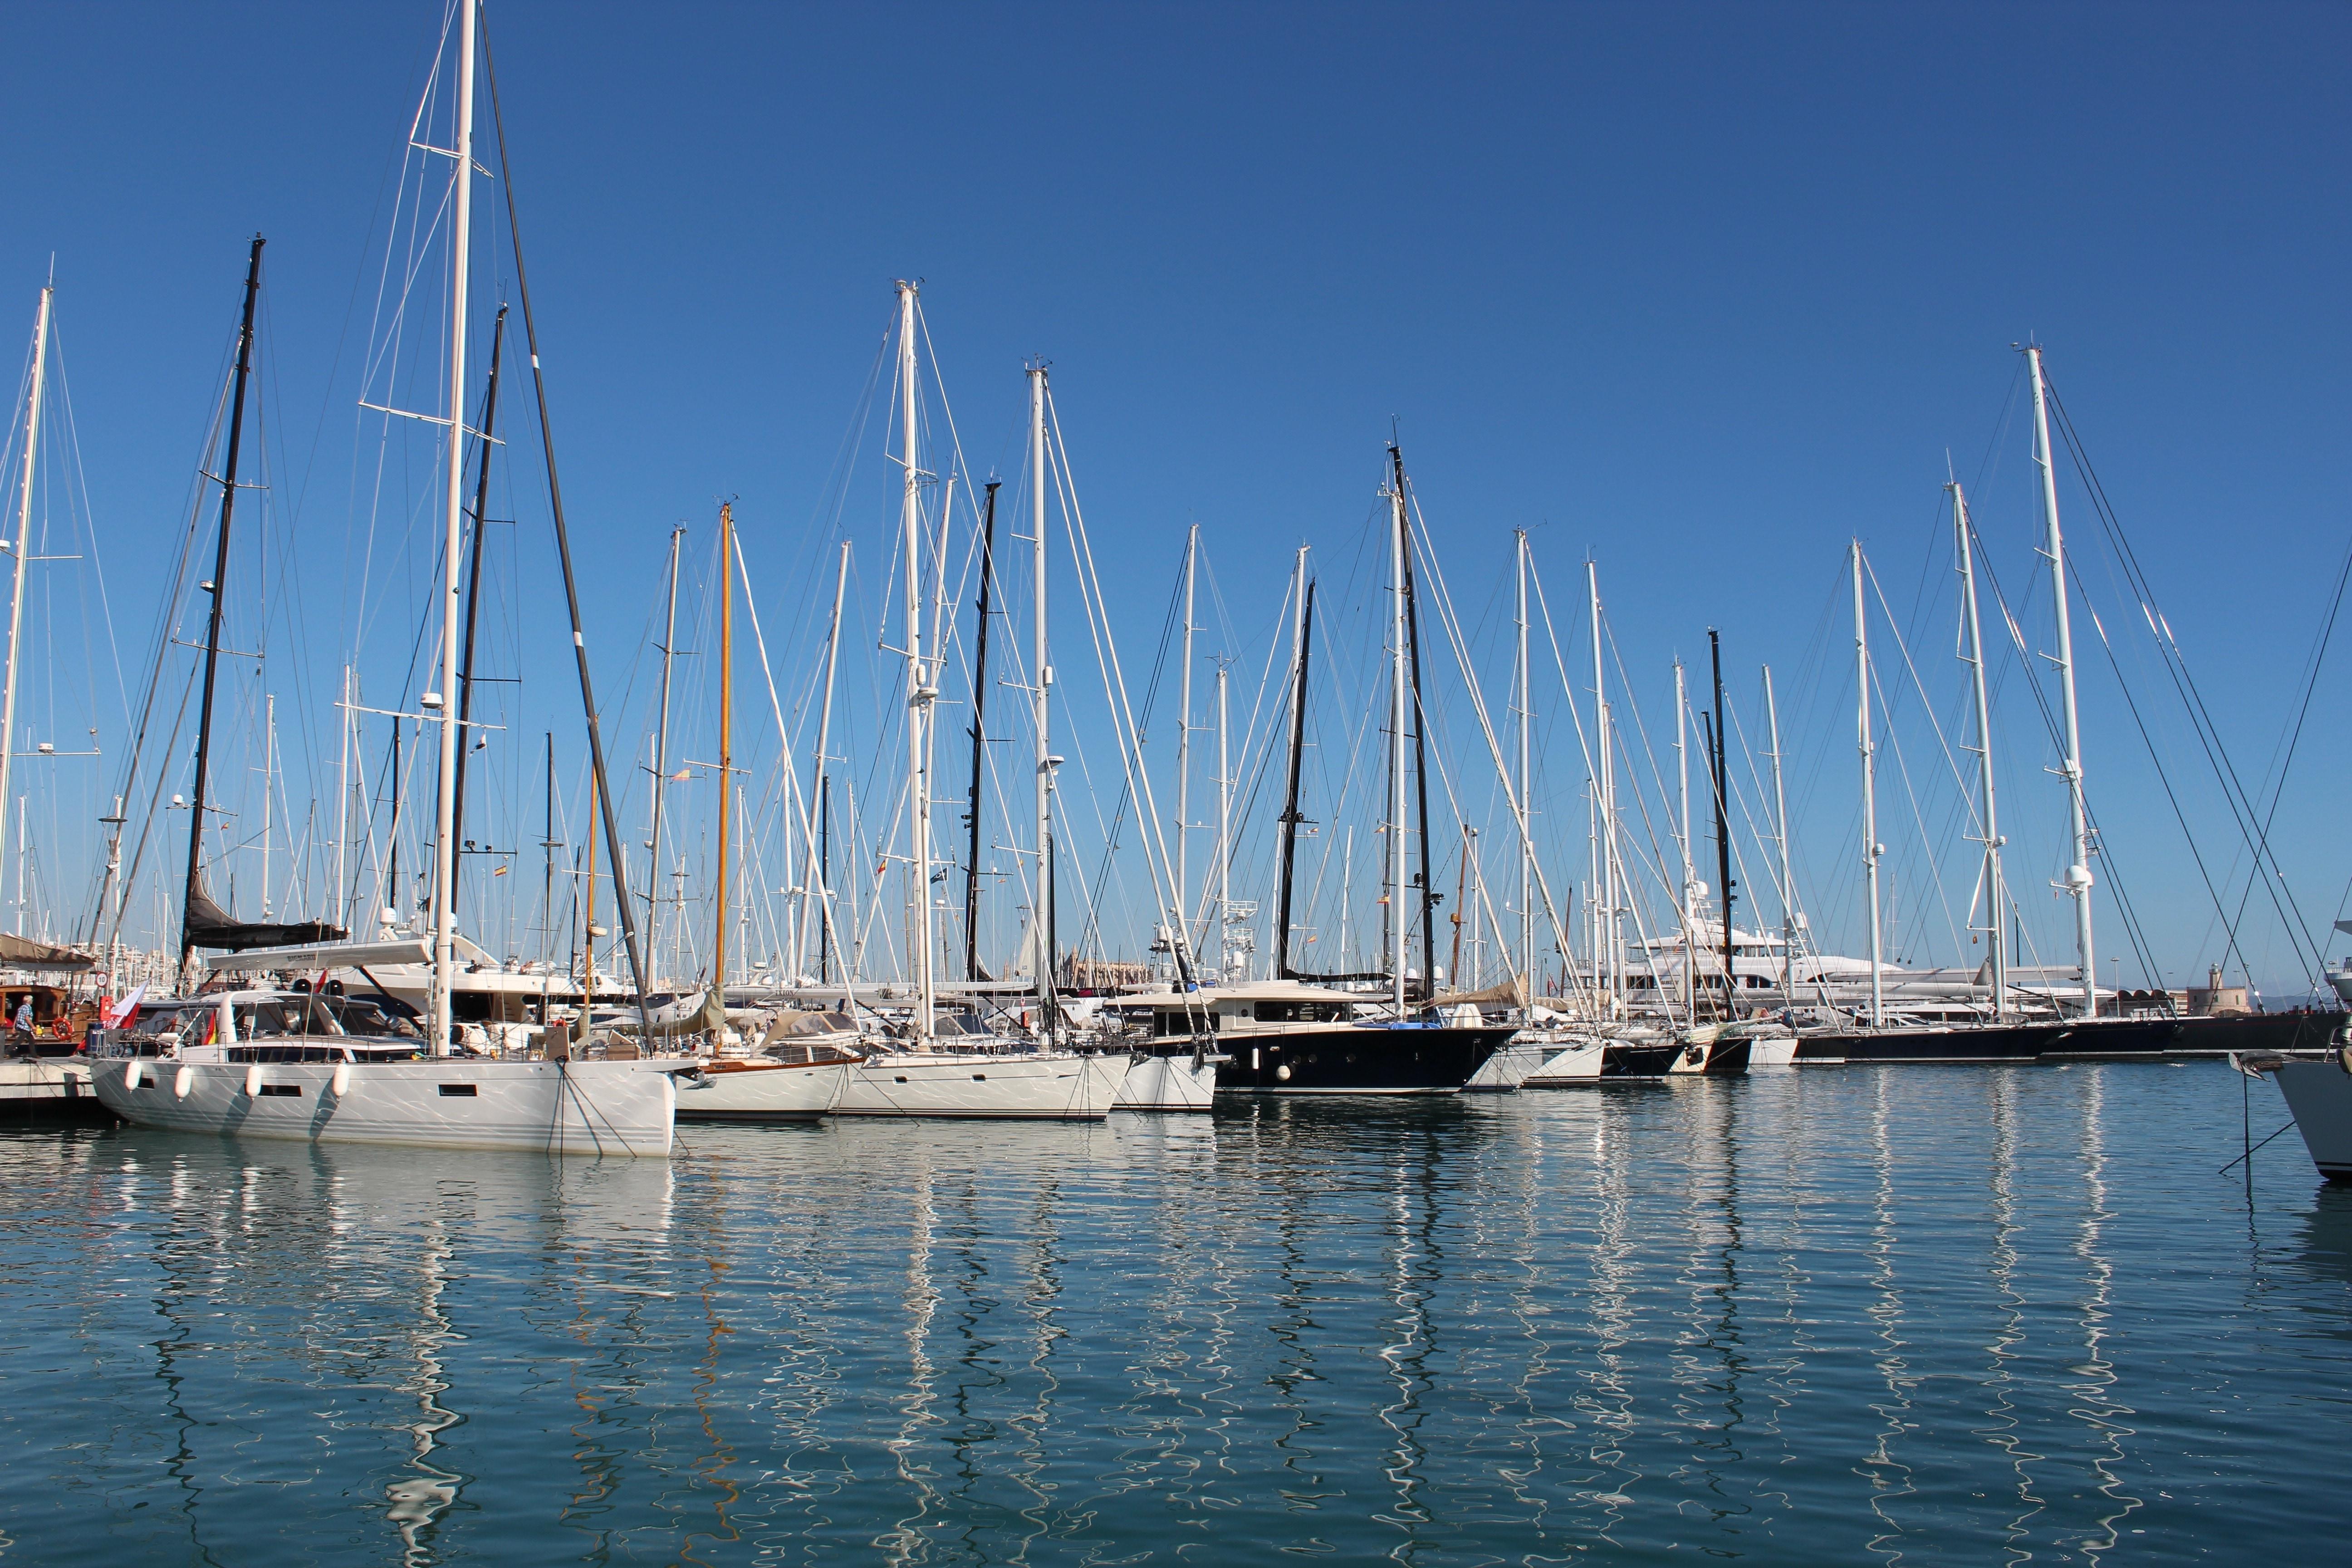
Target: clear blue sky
(1705, 290)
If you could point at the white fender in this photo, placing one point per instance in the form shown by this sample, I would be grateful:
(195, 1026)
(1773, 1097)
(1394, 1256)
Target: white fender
(131, 1074)
(253, 1081)
(342, 1080)
(182, 1081)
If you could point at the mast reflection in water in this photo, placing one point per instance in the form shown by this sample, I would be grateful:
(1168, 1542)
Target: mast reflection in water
(1978, 1315)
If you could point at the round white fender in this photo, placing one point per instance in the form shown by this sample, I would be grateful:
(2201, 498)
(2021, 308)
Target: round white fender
(253, 1081)
(131, 1074)
(342, 1080)
(182, 1081)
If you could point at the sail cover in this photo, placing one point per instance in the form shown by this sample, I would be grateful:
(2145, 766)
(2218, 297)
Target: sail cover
(20, 953)
(209, 925)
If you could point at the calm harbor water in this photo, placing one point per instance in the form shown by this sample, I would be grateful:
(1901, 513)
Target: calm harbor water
(1836, 1315)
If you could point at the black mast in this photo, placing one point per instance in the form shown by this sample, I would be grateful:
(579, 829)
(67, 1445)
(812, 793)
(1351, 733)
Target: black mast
(473, 610)
(563, 551)
(1290, 819)
(1722, 819)
(220, 581)
(979, 714)
(1429, 894)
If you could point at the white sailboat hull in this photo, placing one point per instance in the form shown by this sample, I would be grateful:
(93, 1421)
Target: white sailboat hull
(552, 1108)
(1049, 1086)
(1568, 1066)
(1510, 1069)
(1167, 1083)
(744, 1091)
(1773, 1052)
(2320, 1095)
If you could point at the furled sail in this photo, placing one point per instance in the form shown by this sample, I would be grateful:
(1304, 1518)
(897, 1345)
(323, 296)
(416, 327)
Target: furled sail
(209, 925)
(23, 952)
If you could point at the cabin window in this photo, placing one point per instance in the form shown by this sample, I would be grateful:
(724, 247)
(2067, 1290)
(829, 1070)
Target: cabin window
(288, 1090)
(1298, 1011)
(980, 1077)
(457, 1092)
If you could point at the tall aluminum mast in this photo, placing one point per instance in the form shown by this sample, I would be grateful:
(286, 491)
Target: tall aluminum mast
(461, 235)
(1399, 712)
(1870, 848)
(1689, 890)
(816, 881)
(23, 551)
(1040, 704)
(1527, 780)
(1184, 749)
(1780, 832)
(2078, 822)
(1996, 896)
(1224, 831)
(919, 690)
(1605, 954)
(661, 761)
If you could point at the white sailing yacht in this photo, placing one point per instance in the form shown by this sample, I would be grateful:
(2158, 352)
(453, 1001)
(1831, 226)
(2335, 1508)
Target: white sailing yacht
(970, 1074)
(237, 1062)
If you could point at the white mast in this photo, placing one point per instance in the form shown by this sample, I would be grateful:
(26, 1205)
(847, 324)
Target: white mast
(1605, 955)
(919, 692)
(1399, 699)
(1996, 896)
(1870, 848)
(1184, 750)
(461, 235)
(342, 802)
(2078, 824)
(1781, 819)
(24, 552)
(1527, 780)
(1224, 831)
(814, 882)
(269, 759)
(661, 762)
(1683, 840)
(1041, 905)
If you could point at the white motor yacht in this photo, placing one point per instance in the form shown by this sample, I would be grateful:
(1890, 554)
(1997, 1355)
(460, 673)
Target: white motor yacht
(273, 1064)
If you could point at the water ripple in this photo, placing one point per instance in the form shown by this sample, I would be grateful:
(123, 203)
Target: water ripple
(1908, 1316)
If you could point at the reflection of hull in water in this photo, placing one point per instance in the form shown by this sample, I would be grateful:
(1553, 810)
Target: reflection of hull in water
(761, 1091)
(50, 1093)
(1052, 1085)
(2320, 1095)
(1167, 1083)
(1377, 1059)
(2197, 1036)
(1992, 1043)
(449, 1102)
